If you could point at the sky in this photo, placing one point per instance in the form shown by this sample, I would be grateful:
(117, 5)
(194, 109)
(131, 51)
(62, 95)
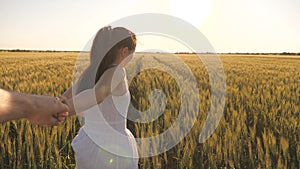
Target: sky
(229, 25)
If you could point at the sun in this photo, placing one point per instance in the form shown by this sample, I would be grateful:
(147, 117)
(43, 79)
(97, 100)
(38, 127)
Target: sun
(192, 11)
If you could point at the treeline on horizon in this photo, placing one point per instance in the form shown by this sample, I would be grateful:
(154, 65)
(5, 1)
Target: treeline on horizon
(244, 53)
(247, 53)
(39, 51)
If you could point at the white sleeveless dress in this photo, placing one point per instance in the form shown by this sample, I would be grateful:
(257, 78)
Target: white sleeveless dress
(104, 142)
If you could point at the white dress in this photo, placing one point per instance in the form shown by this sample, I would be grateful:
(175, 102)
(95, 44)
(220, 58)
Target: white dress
(104, 142)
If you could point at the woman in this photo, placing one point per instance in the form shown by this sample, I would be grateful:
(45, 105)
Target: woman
(102, 95)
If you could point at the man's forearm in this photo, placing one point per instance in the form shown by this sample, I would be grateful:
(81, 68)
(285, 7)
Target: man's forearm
(42, 110)
(14, 105)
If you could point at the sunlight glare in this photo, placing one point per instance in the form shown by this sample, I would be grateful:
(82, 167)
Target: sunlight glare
(192, 11)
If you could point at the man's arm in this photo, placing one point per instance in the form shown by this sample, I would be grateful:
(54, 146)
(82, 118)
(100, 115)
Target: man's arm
(7, 109)
(37, 109)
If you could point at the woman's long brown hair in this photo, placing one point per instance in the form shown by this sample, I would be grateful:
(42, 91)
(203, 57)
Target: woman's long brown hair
(104, 50)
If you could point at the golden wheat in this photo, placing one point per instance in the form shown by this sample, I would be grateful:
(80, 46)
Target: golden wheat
(259, 129)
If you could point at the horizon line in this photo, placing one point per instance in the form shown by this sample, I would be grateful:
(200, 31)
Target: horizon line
(179, 52)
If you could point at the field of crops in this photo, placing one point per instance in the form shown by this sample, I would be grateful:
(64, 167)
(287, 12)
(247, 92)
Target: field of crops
(260, 127)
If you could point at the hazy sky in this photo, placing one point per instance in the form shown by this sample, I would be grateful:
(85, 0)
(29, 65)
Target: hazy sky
(229, 25)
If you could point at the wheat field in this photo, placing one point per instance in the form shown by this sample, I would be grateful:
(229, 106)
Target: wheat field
(260, 127)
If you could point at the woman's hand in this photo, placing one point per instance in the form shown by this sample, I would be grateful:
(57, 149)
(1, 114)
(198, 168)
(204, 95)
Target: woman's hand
(61, 116)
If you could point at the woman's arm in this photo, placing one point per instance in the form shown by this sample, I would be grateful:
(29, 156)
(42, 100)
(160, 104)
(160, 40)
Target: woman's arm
(68, 93)
(90, 97)
(87, 99)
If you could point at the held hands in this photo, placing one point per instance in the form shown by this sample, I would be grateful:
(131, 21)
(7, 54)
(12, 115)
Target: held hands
(48, 111)
(61, 116)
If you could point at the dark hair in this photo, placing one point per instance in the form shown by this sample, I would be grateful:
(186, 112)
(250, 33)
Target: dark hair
(103, 53)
